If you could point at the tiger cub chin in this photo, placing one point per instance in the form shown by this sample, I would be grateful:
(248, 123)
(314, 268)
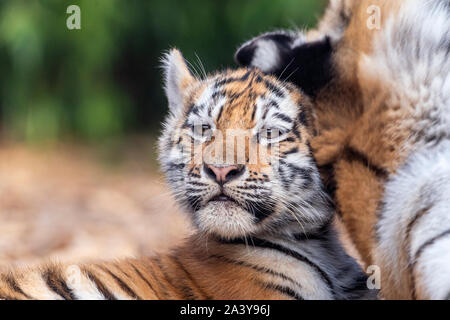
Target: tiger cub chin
(236, 156)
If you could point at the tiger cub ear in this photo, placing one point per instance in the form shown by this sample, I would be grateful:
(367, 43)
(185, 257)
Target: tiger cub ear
(177, 78)
(288, 56)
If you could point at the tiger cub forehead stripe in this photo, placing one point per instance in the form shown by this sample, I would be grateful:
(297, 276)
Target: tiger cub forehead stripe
(237, 93)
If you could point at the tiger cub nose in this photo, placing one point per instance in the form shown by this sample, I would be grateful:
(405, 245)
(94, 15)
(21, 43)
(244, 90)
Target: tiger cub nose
(224, 174)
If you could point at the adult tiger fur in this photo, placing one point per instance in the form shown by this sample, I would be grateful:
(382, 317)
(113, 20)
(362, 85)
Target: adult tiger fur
(264, 229)
(378, 73)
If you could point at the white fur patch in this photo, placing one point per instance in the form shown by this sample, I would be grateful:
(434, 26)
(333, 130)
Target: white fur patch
(35, 286)
(176, 75)
(266, 55)
(82, 287)
(434, 270)
(299, 40)
(423, 183)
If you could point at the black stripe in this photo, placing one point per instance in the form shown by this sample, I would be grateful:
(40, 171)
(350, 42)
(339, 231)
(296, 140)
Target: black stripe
(226, 80)
(291, 151)
(13, 285)
(175, 166)
(419, 214)
(285, 180)
(194, 191)
(100, 287)
(215, 94)
(290, 139)
(283, 117)
(191, 278)
(282, 289)
(273, 104)
(296, 132)
(121, 284)
(320, 233)
(188, 112)
(198, 184)
(191, 171)
(265, 113)
(352, 154)
(195, 110)
(327, 173)
(256, 268)
(305, 173)
(58, 285)
(272, 87)
(345, 19)
(162, 286)
(186, 124)
(251, 187)
(260, 210)
(188, 293)
(232, 96)
(194, 175)
(302, 118)
(254, 112)
(422, 248)
(144, 279)
(185, 290)
(270, 245)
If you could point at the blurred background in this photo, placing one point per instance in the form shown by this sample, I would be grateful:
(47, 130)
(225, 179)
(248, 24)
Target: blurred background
(80, 111)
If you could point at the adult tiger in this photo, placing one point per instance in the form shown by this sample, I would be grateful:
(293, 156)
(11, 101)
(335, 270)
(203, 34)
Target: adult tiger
(264, 228)
(379, 75)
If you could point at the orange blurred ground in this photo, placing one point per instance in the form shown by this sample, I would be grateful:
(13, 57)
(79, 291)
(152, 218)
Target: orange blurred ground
(62, 204)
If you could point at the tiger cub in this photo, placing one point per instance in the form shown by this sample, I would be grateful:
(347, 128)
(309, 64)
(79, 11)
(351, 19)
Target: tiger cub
(264, 224)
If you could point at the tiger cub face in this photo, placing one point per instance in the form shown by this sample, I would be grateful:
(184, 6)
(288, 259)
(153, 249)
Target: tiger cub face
(235, 152)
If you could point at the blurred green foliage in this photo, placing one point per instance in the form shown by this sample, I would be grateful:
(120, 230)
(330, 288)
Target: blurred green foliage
(104, 80)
